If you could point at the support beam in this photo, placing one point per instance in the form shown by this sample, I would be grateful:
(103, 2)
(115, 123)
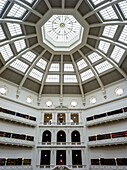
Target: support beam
(16, 57)
(44, 77)
(61, 81)
(17, 39)
(63, 4)
(108, 23)
(79, 79)
(78, 4)
(94, 71)
(48, 4)
(29, 70)
(109, 60)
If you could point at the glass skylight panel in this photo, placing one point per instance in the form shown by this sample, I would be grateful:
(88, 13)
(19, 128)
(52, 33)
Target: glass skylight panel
(108, 13)
(19, 65)
(20, 45)
(54, 67)
(2, 35)
(30, 1)
(81, 64)
(52, 78)
(117, 53)
(97, 1)
(123, 7)
(87, 75)
(16, 11)
(68, 67)
(29, 56)
(36, 74)
(110, 30)
(123, 36)
(6, 52)
(94, 57)
(15, 29)
(104, 46)
(2, 4)
(104, 66)
(70, 79)
(41, 63)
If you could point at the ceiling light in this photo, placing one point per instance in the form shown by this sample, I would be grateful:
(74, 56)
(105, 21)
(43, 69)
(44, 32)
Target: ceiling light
(3, 90)
(108, 13)
(29, 99)
(70, 79)
(73, 103)
(52, 78)
(93, 100)
(2, 35)
(16, 11)
(119, 91)
(6, 52)
(36, 74)
(104, 66)
(87, 75)
(68, 67)
(49, 103)
(104, 46)
(81, 64)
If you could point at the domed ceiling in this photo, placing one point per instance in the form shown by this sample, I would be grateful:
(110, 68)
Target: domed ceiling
(28, 29)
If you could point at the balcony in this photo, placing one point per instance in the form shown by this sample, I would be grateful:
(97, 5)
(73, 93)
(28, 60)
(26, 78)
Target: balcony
(17, 117)
(61, 144)
(27, 167)
(107, 117)
(100, 167)
(108, 139)
(64, 124)
(57, 167)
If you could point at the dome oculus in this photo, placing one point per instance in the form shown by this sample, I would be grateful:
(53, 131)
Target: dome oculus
(62, 31)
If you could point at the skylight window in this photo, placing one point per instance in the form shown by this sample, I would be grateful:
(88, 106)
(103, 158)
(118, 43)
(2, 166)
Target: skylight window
(97, 1)
(6, 52)
(2, 35)
(54, 67)
(19, 65)
(29, 1)
(81, 64)
(14, 29)
(68, 67)
(2, 4)
(123, 7)
(104, 46)
(87, 75)
(20, 45)
(29, 56)
(42, 64)
(117, 53)
(52, 78)
(108, 13)
(104, 66)
(16, 11)
(36, 74)
(123, 36)
(70, 79)
(94, 57)
(110, 30)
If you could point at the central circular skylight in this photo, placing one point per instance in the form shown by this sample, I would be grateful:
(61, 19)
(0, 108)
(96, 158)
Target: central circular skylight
(62, 31)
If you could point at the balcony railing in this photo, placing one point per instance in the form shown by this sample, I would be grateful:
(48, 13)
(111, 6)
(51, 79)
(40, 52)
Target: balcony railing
(57, 167)
(17, 117)
(16, 167)
(61, 124)
(108, 167)
(108, 139)
(107, 117)
(61, 144)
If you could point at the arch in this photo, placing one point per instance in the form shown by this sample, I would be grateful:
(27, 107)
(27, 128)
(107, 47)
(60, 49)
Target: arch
(61, 136)
(75, 136)
(46, 137)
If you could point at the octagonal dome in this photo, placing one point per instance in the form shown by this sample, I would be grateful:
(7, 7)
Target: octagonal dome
(62, 32)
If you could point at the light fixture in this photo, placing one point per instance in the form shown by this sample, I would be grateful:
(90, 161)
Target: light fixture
(22, 159)
(48, 117)
(49, 103)
(76, 155)
(73, 103)
(93, 100)
(74, 117)
(119, 91)
(6, 159)
(45, 155)
(3, 90)
(60, 134)
(46, 134)
(75, 135)
(61, 155)
(29, 99)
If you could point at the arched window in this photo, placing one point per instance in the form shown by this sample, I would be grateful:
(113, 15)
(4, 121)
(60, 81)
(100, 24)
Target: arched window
(46, 136)
(61, 136)
(75, 136)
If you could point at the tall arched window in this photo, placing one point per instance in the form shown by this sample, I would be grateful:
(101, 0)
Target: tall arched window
(75, 136)
(46, 136)
(61, 136)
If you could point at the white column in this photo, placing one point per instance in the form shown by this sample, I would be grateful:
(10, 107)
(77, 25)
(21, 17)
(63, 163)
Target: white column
(54, 136)
(83, 157)
(68, 157)
(80, 117)
(39, 157)
(68, 117)
(53, 158)
(68, 135)
(42, 117)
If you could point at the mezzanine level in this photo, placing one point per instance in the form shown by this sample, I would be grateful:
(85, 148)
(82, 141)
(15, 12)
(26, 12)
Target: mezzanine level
(64, 124)
(16, 167)
(62, 167)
